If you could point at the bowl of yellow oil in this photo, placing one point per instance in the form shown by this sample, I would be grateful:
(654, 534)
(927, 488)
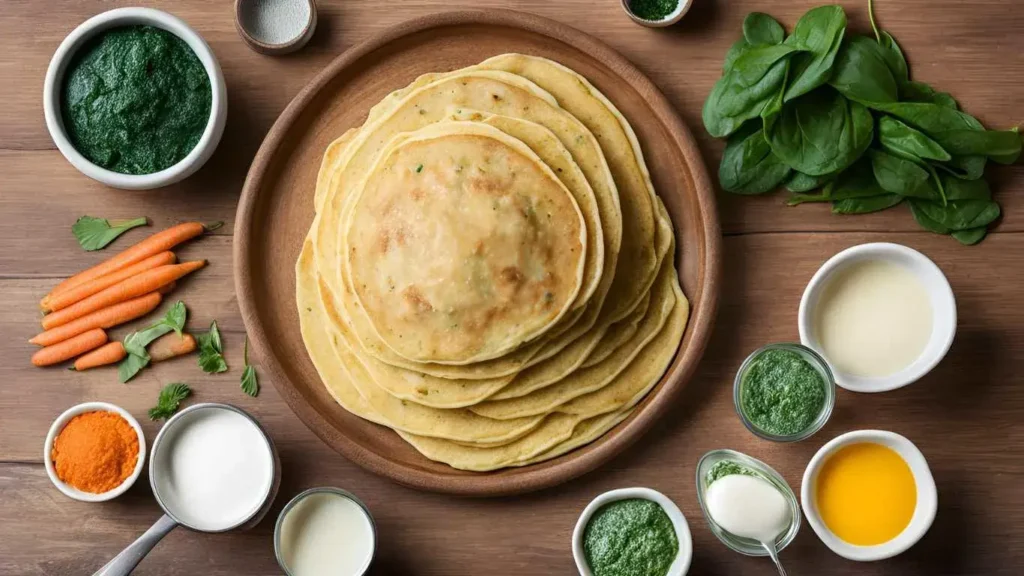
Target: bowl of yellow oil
(869, 495)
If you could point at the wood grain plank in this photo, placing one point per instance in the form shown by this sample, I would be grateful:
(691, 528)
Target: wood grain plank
(963, 417)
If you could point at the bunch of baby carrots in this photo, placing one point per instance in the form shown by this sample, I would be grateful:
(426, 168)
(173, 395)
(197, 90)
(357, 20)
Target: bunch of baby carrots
(118, 290)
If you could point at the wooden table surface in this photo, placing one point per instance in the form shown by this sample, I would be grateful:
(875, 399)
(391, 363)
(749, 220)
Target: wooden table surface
(966, 416)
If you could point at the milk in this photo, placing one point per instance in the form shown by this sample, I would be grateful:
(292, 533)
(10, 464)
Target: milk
(326, 533)
(216, 469)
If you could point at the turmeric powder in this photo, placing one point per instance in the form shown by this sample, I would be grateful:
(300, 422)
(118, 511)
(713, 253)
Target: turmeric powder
(95, 452)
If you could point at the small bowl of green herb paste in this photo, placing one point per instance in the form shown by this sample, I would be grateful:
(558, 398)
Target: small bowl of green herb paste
(656, 13)
(632, 532)
(784, 392)
(135, 99)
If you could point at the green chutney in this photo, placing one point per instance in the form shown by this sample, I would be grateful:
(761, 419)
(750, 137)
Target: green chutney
(135, 100)
(633, 537)
(728, 468)
(781, 393)
(653, 9)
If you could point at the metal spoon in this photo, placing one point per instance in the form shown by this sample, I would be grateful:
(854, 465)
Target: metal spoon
(774, 554)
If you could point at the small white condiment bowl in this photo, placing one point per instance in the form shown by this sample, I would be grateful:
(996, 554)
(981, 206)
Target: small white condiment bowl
(924, 512)
(675, 16)
(53, 85)
(943, 313)
(59, 425)
(679, 567)
(244, 10)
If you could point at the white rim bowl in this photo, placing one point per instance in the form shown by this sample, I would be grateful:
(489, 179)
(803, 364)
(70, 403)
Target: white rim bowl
(59, 425)
(116, 18)
(944, 316)
(924, 512)
(675, 16)
(679, 566)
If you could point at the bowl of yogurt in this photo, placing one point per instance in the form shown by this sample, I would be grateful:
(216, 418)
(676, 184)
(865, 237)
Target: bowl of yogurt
(882, 315)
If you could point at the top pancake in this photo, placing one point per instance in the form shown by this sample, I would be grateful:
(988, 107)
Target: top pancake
(462, 244)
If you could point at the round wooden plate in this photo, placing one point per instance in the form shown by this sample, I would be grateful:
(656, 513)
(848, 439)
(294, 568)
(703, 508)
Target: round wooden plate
(276, 209)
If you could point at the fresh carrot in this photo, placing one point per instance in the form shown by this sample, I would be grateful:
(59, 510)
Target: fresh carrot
(70, 348)
(109, 353)
(170, 345)
(137, 285)
(105, 318)
(166, 288)
(84, 290)
(164, 240)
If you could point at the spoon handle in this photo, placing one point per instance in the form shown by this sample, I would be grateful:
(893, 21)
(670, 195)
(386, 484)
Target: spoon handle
(129, 558)
(775, 558)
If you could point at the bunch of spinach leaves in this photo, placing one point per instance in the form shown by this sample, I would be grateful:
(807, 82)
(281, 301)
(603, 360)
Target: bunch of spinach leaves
(836, 118)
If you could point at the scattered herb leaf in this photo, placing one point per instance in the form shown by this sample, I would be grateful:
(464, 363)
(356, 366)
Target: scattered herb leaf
(95, 233)
(211, 357)
(135, 343)
(169, 400)
(250, 385)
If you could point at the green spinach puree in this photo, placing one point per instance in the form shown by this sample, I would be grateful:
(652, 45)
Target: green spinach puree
(135, 100)
(632, 537)
(781, 393)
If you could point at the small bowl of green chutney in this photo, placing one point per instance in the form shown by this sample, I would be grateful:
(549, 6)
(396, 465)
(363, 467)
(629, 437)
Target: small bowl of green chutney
(632, 531)
(134, 98)
(784, 392)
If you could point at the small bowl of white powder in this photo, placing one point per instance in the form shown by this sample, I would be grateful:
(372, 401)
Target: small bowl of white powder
(275, 27)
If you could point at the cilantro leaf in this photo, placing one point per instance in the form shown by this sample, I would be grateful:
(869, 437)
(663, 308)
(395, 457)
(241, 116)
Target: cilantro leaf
(95, 233)
(250, 385)
(211, 359)
(168, 401)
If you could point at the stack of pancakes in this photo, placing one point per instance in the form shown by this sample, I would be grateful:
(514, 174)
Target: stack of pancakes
(490, 272)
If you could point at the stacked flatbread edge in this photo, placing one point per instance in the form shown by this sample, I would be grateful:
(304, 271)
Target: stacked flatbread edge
(490, 272)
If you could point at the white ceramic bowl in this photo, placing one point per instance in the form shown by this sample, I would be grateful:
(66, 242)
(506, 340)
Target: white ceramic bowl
(924, 513)
(934, 282)
(128, 17)
(682, 562)
(675, 16)
(62, 421)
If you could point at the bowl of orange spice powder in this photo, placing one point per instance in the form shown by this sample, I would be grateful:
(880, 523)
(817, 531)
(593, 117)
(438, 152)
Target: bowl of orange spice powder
(94, 451)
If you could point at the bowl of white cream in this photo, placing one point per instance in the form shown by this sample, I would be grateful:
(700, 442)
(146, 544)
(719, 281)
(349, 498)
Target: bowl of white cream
(325, 531)
(882, 315)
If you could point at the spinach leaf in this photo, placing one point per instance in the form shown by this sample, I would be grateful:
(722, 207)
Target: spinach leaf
(856, 182)
(894, 58)
(735, 51)
(733, 101)
(957, 189)
(866, 205)
(965, 167)
(902, 140)
(821, 132)
(820, 31)
(923, 220)
(901, 176)
(921, 92)
(801, 182)
(971, 236)
(760, 29)
(961, 214)
(748, 165)
(1003, 146)
(861, 72)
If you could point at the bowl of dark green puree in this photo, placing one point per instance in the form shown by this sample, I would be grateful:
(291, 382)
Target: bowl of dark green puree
(784, 392)
(632, 532)
(134, 98)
